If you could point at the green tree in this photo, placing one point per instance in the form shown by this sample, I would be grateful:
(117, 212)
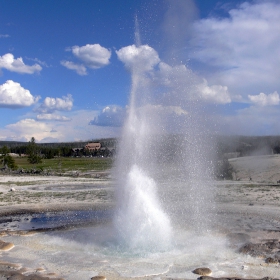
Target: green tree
(33, 152)
(6, 159)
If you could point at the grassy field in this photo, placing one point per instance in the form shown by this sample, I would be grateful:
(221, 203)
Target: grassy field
(67, 164)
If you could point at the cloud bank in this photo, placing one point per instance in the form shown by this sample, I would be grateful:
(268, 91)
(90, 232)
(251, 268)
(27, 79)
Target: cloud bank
(242, 50)
(47, 129)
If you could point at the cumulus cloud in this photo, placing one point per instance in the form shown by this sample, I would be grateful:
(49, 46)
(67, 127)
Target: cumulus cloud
(28, 128)
(79, 68)
(216, 93)
(17, 65)
(92, 56)
(265, 99)
(143, 58)
(50, 104)
(13, 95)
(242, 50)
(52, 117)
(112, 115)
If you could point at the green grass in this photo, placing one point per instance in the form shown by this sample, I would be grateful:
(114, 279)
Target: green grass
(67, 164)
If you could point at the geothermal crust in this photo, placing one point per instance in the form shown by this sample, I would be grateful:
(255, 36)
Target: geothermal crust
(248, 214)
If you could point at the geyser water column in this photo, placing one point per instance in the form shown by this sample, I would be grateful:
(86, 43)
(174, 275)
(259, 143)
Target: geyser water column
(141, 223)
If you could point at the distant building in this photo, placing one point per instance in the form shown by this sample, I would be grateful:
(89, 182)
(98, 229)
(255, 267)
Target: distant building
(91, 147)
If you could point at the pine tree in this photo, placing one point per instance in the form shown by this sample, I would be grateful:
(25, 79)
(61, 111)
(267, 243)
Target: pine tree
(33, 152)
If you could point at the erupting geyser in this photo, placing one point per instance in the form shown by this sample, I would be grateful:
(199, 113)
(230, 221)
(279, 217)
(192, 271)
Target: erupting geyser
(162, 146)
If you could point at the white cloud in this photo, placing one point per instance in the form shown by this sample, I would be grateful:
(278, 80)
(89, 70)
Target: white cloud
(241, 51)
(13, 95)
(94, 56)
(177, 83)
(52, 117)
(4, 36)
(56, 104)
(17, 65)
(216, 93)
(263, 99)
(142, 58)
(79, 68)
(111, 115)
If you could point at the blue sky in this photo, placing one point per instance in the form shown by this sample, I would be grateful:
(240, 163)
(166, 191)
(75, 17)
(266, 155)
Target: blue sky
(65, 65)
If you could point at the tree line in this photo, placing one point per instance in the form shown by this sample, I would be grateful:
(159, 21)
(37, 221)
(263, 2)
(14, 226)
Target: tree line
(36, 152)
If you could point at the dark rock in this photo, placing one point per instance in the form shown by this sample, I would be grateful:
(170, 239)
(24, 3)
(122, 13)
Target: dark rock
(271, 260)
(268, 250)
